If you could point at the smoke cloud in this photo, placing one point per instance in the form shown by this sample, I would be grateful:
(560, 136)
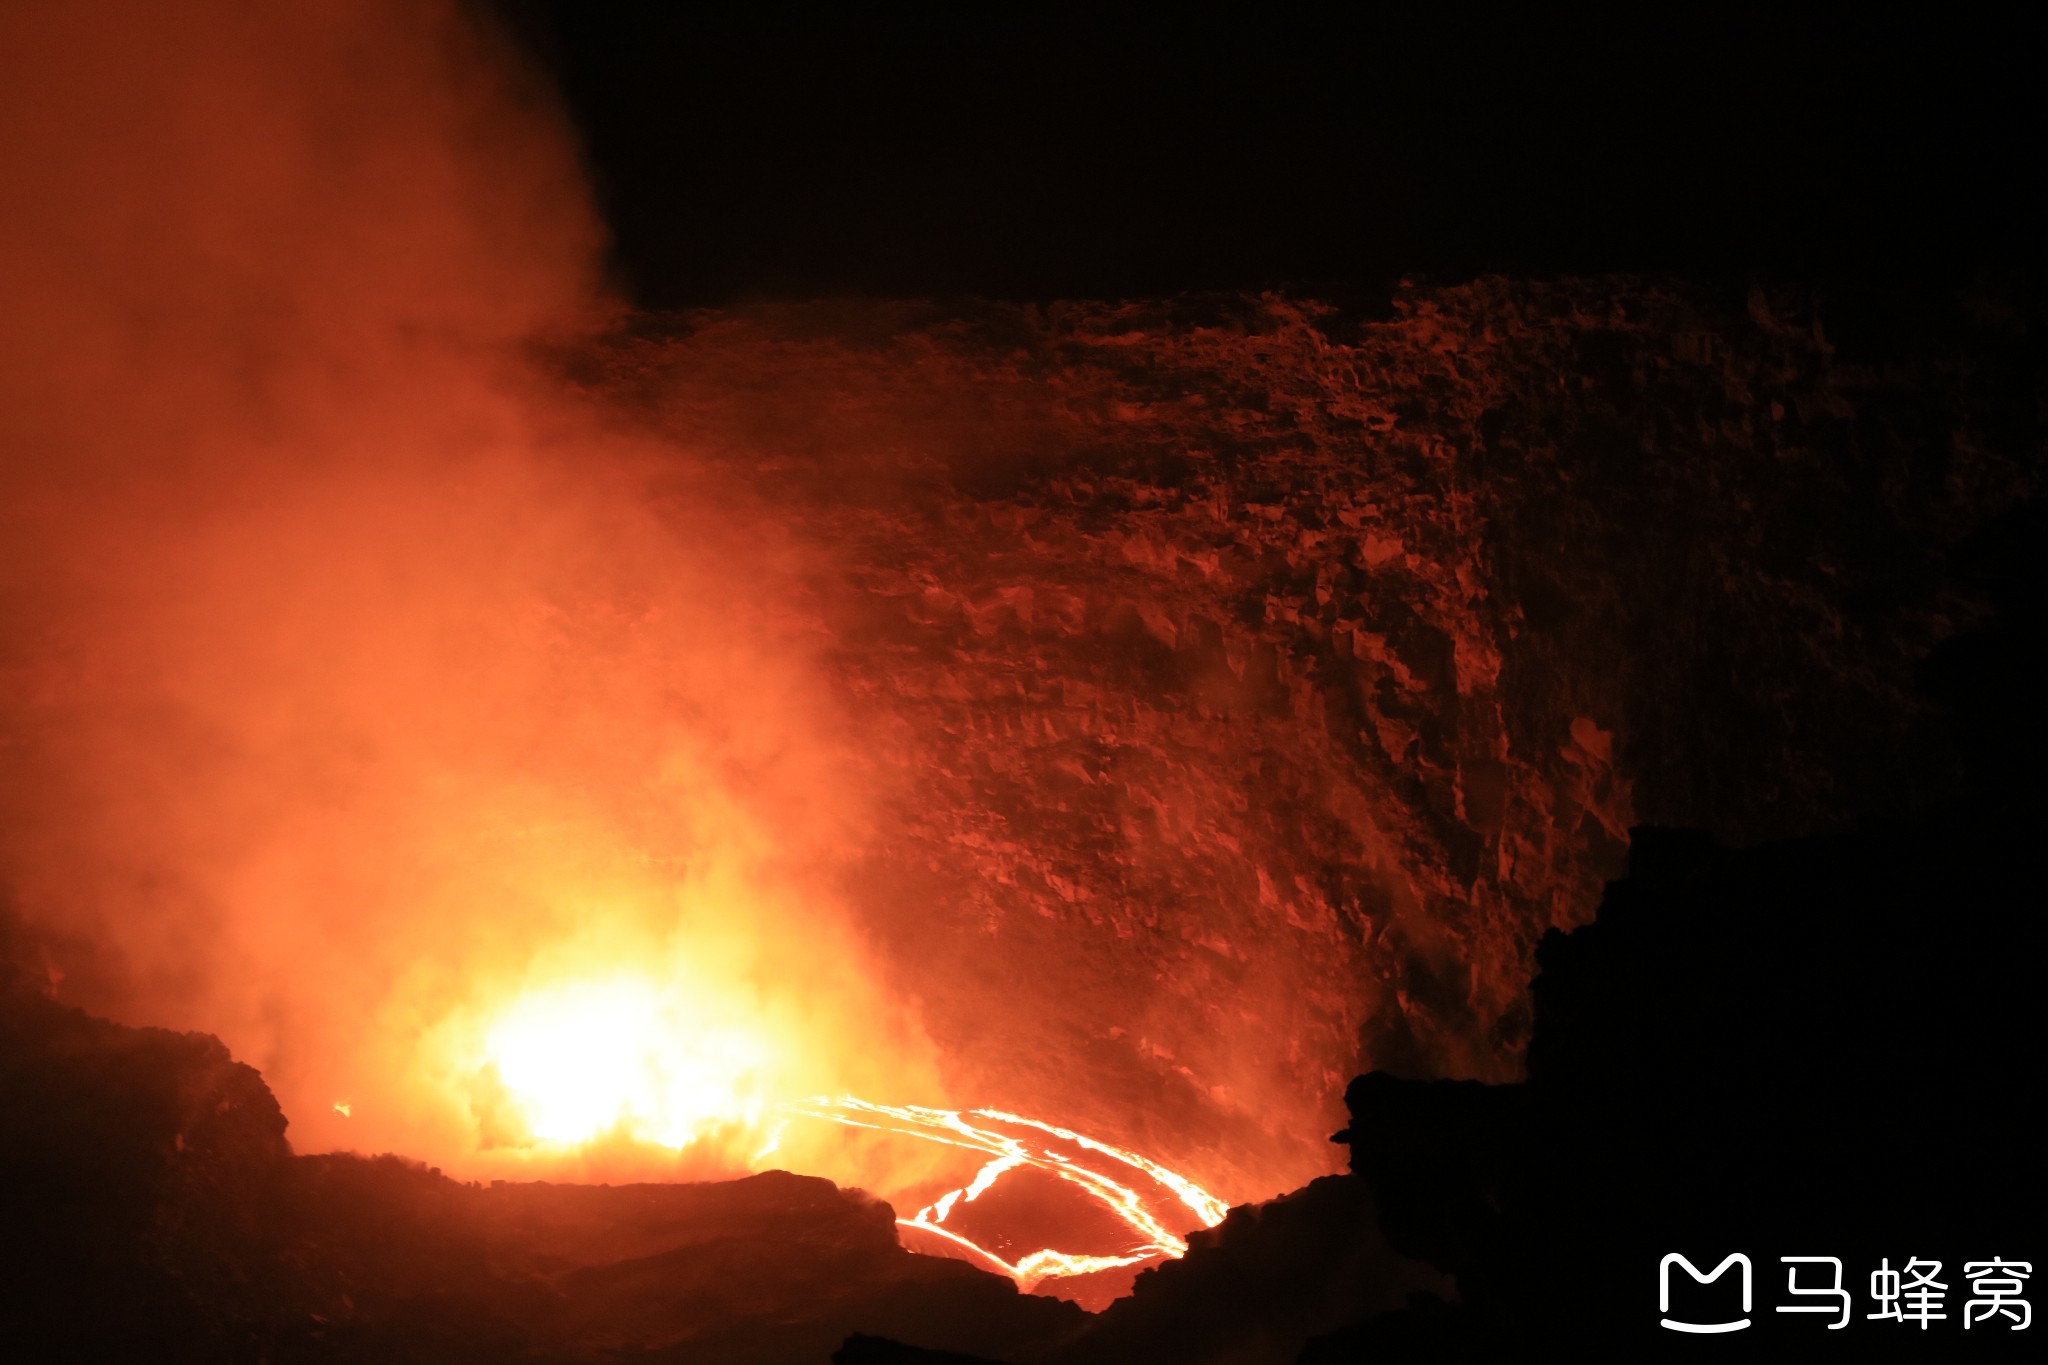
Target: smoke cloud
(357, 681)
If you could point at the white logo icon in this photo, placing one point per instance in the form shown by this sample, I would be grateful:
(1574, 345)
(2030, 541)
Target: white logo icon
(1664, 1291)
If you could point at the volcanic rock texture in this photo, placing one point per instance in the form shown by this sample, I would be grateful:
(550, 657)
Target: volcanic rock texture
(1253, 685)
(1248, 688)
(1825, 1042)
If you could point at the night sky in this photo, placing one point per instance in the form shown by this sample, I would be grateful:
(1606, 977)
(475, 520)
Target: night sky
(1043, 152)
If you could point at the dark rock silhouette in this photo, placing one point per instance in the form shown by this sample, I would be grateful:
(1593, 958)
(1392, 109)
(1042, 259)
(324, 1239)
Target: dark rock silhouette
(861, 1349)
(1267, 1278)
(1827, 1046)
(153, 1211)
(140, 1173)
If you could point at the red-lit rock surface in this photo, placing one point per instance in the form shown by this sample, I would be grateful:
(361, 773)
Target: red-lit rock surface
(1245, 690)
(1252, 686)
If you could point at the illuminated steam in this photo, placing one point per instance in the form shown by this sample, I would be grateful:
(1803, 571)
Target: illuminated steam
(358, 684)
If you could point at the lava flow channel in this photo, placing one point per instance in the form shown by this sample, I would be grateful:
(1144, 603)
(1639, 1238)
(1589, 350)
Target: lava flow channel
(1138, 1192)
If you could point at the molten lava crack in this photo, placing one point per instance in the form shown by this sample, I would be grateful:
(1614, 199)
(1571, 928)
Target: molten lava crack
(1149, 1204)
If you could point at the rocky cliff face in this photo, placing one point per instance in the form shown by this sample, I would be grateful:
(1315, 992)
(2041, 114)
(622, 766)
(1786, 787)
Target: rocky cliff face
(1811, 1047)
(1252, 686)
(1245, 691)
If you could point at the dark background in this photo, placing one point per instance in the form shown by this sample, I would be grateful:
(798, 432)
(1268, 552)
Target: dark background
(1040, 152)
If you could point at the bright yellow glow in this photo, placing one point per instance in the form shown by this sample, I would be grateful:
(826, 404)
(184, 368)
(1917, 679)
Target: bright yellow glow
(679, 1062)
(624, 1056)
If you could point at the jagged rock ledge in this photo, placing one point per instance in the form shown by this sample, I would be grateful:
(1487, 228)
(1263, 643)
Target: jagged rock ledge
(154, 1210)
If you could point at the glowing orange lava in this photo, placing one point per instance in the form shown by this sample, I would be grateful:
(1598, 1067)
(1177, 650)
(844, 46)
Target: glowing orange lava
(1140, 1193)
(604, 1058)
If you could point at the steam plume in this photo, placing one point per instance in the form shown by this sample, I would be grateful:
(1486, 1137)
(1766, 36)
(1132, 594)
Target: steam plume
(355, 679)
